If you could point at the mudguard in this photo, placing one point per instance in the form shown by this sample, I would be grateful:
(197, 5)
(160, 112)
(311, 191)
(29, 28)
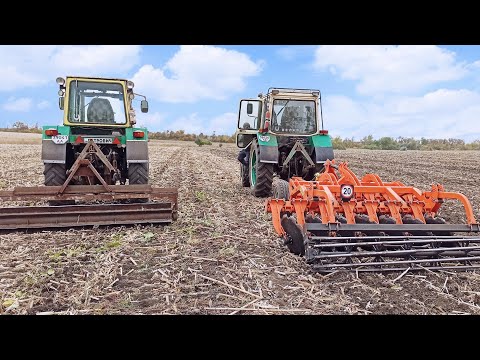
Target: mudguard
(54, 147)
(323, 148)
(137, 148)
(268, 148)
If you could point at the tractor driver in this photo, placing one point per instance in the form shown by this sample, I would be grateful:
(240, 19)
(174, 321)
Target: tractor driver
(243, 155)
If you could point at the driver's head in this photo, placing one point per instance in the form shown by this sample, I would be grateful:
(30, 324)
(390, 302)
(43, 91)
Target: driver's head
(246, 126)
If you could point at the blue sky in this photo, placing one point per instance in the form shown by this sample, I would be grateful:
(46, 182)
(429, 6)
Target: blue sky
(418, 91)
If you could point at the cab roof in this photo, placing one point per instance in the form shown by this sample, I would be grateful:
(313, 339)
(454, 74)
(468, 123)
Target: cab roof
(94, 77)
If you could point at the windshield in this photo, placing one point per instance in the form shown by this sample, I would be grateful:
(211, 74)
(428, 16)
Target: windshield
(96, 102)
(294, 116)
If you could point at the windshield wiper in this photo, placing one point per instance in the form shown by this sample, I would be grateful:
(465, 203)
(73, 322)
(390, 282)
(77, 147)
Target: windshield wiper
(276, 114)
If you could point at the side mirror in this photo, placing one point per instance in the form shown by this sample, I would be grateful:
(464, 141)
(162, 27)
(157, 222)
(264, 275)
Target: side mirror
(249, 109)
(241, 141)
(61, 102)
(144, 106)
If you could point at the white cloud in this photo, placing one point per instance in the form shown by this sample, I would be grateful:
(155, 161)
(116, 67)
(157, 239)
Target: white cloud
(439, 114)
(293, 52)
(95, 60)
(191, 124)
(44, 104)
(151, 121)
(24, 66)
(390, 69)
(224, 124)
(18, 105)
(197, 72)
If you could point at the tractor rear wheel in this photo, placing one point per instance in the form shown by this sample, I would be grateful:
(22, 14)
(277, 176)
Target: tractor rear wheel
(138, 173)
(261, 174)
(55, 175)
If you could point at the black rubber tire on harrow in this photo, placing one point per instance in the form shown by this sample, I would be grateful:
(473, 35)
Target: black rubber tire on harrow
(295, 244)
(280, 189)
(138, 173)
(244, 174)
(55, 175)
(264, 174)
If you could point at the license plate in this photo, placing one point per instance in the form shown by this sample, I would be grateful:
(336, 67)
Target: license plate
(99, 140)
(60, 139)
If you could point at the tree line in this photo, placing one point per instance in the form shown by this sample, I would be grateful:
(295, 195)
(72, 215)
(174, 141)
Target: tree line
(403, 143)
(22, 127)
(367, 142)
(183, 136)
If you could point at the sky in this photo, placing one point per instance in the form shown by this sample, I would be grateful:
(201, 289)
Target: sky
(408, 90)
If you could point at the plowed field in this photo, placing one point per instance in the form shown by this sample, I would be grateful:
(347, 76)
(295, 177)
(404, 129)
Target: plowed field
(221, 256)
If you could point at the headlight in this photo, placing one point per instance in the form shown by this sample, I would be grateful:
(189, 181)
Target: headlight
(60, 92)
(60, 81)
(130, 84)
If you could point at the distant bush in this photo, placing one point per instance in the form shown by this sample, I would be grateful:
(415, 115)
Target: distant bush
(199, 141)
(338, 144)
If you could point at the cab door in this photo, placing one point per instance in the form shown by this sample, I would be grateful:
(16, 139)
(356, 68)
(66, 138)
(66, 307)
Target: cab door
(248, 123)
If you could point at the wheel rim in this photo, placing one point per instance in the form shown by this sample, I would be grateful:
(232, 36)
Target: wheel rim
(253, 167)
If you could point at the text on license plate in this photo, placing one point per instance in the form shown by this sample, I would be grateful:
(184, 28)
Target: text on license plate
(99, 140)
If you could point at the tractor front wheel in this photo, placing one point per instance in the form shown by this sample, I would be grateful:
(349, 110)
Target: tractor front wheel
(245, 175)
(261, 174)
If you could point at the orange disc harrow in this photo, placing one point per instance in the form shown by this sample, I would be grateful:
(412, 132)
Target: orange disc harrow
(339, 204)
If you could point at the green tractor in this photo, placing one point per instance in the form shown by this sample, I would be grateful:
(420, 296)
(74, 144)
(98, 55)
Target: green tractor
(97, 157)
(98, 114)
(281, 134)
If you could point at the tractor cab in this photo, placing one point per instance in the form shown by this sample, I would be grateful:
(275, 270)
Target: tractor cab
(98, 102)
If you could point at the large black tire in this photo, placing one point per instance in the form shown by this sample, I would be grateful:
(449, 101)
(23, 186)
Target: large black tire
(294, 241)
(55, 175)
(138, 173)
(245, 175)
(280, 189)
(261, 183)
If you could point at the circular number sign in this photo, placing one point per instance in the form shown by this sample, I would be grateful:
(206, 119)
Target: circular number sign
(346, 192)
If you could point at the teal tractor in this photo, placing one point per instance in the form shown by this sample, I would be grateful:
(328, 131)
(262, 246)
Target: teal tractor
(97, 157)
(281, 134)
(98, 114)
